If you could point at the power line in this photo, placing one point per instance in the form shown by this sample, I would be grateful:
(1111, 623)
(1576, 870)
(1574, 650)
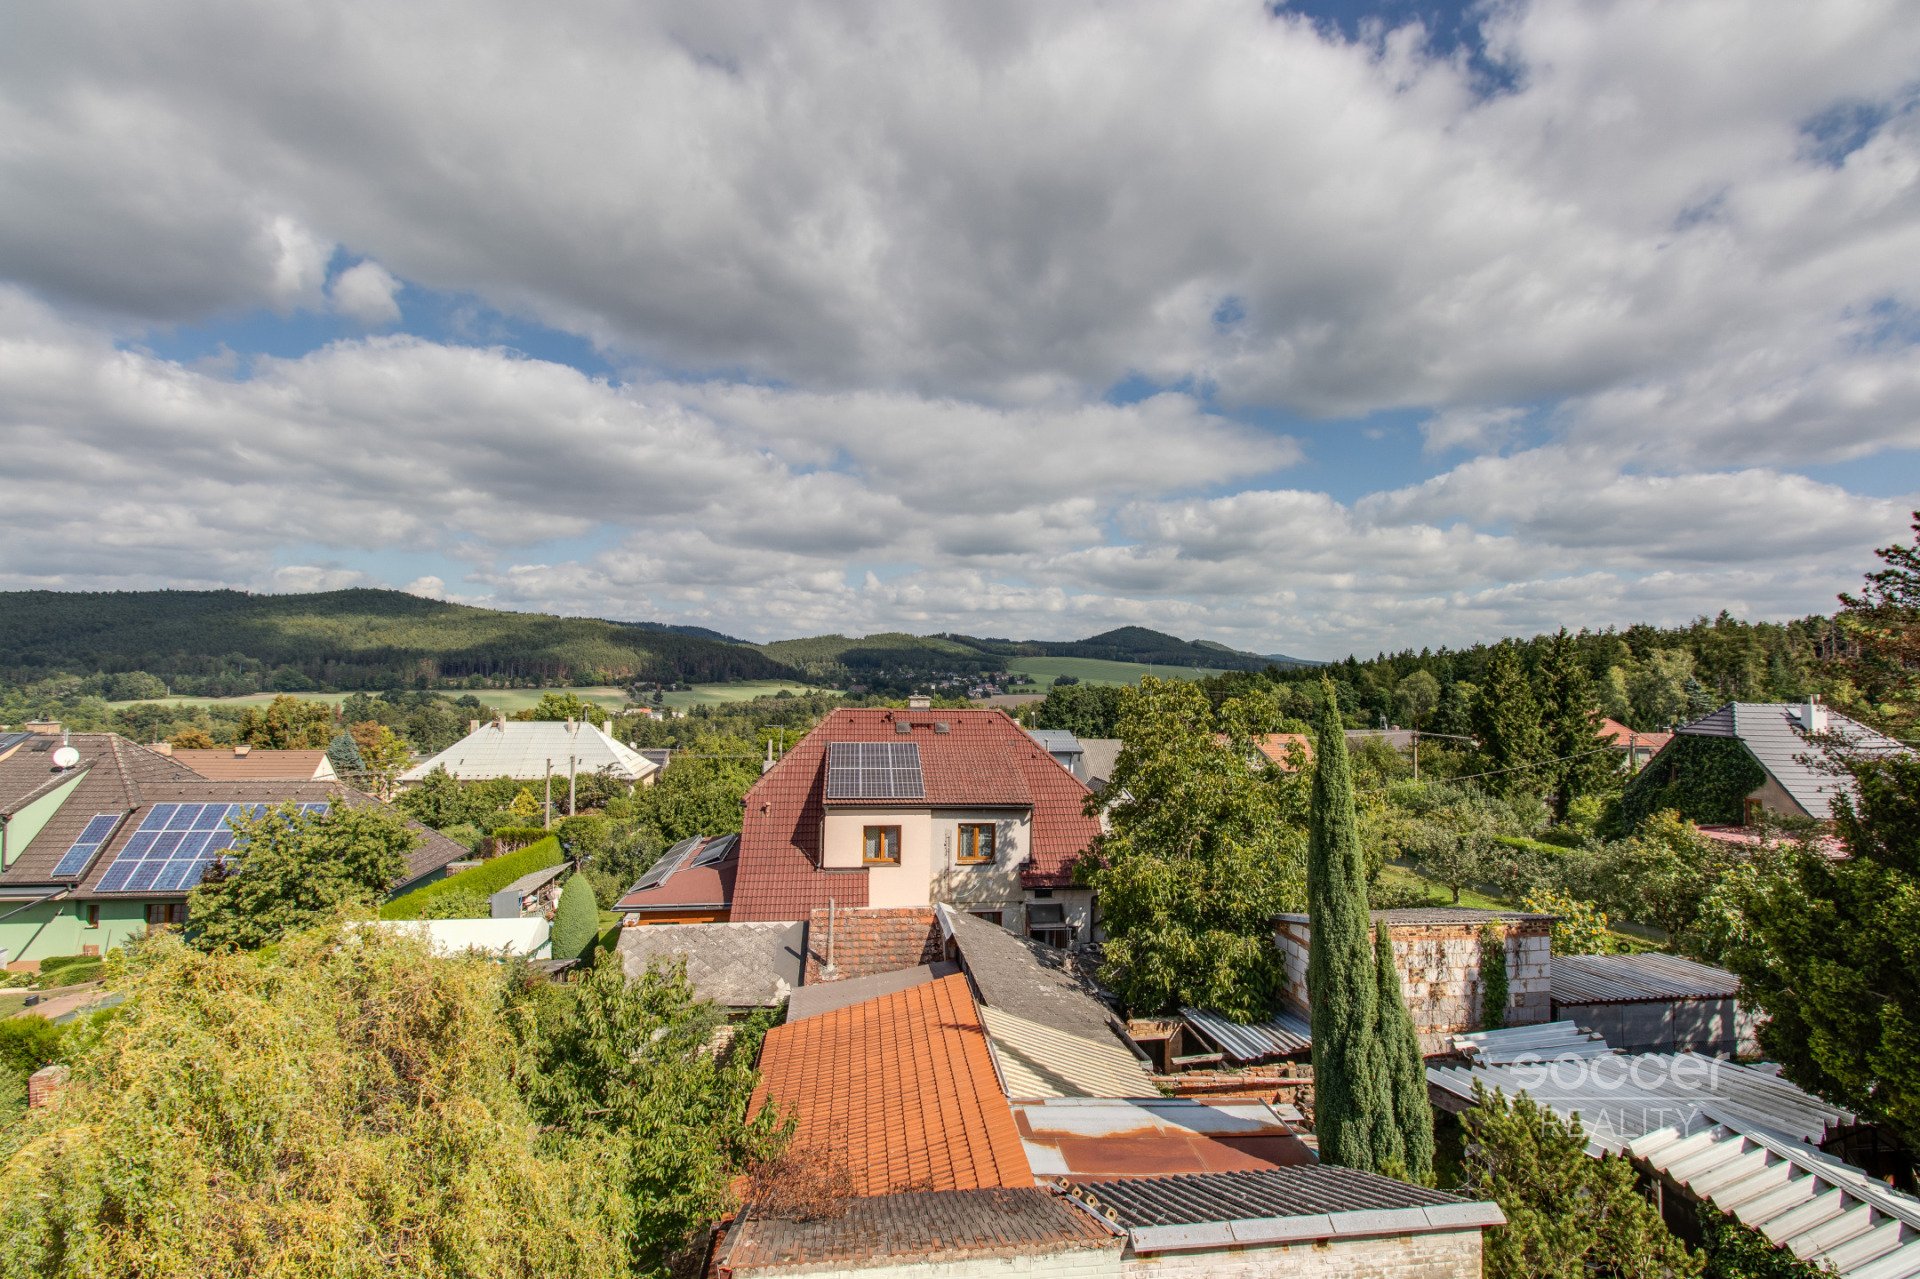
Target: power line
(1521, 768)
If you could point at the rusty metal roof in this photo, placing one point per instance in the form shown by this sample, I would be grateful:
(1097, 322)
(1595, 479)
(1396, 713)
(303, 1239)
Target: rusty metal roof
(1088, 1139)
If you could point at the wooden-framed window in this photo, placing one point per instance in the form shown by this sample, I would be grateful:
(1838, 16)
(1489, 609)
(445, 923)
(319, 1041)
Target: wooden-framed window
(161, 913)
(93, 914)
(880, 846)
(976, 843)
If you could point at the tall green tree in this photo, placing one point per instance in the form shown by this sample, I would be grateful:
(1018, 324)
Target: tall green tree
(1831, 950)
(288, 723)
(290, 870)
(1569, 725)
(1882, 627)
(1353, 1108)
(1507, 722)
(1412, 1128)
(1569, 1216)
(1201, 852)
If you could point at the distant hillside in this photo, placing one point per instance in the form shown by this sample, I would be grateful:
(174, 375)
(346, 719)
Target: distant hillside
(225, 642)
(900, 655)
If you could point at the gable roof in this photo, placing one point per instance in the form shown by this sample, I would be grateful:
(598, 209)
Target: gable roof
(239, 764)
(1775, 734)
(734, 965)
(120, 777)
(982, 759)
(900, 1088)
(694, 874)
(522, 749)
(1618, 735)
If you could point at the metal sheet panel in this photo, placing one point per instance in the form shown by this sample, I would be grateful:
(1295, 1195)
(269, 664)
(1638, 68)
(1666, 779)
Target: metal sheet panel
(1286, 1034)
(1607, 979)
(1862, 1228)
(1546, 1041)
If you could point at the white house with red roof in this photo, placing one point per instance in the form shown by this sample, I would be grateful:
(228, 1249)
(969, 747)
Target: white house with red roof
(908, 808)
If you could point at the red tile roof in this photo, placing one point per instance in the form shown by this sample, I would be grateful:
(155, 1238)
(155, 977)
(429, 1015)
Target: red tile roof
(901, 1088)
(1278, 747)
(246, 764)
(983, 759)
(1614, 733)
(687, 887)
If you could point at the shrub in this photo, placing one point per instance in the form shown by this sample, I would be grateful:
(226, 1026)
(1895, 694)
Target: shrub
(464, 904)
(69, 970)
(511, 839)
(1493, 977)
(486, 879)
(576, 920)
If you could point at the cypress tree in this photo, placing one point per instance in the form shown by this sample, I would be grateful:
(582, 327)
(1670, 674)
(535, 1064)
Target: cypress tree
(1413, 1115)
(1353, 1098)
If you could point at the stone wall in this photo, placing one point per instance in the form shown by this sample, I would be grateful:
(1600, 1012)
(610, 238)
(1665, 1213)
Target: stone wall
(1439, 967)
(1451, 1254)
(867, 941)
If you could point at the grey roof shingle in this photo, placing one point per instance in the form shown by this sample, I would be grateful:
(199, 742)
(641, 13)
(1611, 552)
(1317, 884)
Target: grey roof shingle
(743, 965)
(1775, 735)
(1026, 978)
(930, 1226)
(826, 996)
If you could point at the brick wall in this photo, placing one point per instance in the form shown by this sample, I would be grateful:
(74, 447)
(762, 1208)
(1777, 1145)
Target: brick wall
(1440, 973)
(1452, 1254)
(868, 941)
(44, 1084)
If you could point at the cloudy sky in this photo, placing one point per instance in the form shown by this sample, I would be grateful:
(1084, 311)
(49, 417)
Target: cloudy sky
(1312, 329)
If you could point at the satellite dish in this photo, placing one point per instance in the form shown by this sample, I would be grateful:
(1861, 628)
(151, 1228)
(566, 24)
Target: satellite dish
(66, 757)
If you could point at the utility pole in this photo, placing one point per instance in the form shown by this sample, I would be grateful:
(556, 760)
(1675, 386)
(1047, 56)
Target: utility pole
(547, 821)
(571, 760)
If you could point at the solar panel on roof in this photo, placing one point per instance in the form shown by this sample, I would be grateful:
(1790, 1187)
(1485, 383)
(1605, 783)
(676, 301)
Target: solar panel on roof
(175, 844)
(99, 828)
(10, 740)
(874, 770)
(668, 863)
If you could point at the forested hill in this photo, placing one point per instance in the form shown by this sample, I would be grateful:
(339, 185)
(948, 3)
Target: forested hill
(836, 657)
(221, 642)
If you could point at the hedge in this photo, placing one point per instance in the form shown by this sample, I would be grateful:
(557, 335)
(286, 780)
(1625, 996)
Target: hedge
(487, 878)
(1526, 845)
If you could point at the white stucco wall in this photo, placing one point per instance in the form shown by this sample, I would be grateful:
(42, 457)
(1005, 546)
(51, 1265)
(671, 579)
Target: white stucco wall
(930, 870)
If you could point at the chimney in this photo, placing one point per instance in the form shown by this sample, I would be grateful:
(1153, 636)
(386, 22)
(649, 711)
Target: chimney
(241, 752)
(46, 727)
(919, 702)
(1813, 717)
(161, 748)
(473, 726)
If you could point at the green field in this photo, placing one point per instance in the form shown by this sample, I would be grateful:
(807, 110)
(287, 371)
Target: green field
(511, 700)
(1091, 670)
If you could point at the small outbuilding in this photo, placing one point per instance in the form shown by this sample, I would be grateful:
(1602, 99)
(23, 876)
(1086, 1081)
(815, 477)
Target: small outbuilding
(1655, 1003)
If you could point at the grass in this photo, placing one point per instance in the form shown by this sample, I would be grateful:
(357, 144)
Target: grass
(1093, 670)
(511, 700)
(12, 1001)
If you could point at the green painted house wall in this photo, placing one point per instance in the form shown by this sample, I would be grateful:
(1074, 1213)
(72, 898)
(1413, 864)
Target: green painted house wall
(25, 824)
(60, 928)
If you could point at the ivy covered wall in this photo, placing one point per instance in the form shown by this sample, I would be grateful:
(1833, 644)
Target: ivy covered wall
(1704, 779)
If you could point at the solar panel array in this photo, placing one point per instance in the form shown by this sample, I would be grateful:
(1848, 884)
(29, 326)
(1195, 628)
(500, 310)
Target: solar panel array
(176, 843)
(75, 859)
(697, 851)
(10, 740)
(874, 770)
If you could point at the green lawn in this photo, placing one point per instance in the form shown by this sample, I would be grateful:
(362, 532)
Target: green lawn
(741, 691)
(1092, 670)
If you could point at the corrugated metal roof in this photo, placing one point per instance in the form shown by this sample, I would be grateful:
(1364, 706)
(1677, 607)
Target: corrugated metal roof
(1075, 1137)
(1629, 979)
(1277, 1205)
(1825, 1212)
(1038, 1060)
(1625, 1096)
(1547, 1041)
(1285, 1034)
(1776, 734)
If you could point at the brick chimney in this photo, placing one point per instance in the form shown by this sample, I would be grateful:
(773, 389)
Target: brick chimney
(241, 752)
(161, 748)
(919, 703)
(44, 1085)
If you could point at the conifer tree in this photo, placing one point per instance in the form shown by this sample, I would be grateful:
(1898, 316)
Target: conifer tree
(1506, 719)
(1412, 1113)
(1570, 722)
(1353, 1109)
(576, 920)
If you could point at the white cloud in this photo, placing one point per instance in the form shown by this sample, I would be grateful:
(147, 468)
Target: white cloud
(872, 270)
(366, 293)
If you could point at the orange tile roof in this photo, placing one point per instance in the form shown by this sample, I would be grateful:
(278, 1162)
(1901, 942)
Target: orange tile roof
(902, 1088)
(1613, 732)
(1278, 747)
(227, 765)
